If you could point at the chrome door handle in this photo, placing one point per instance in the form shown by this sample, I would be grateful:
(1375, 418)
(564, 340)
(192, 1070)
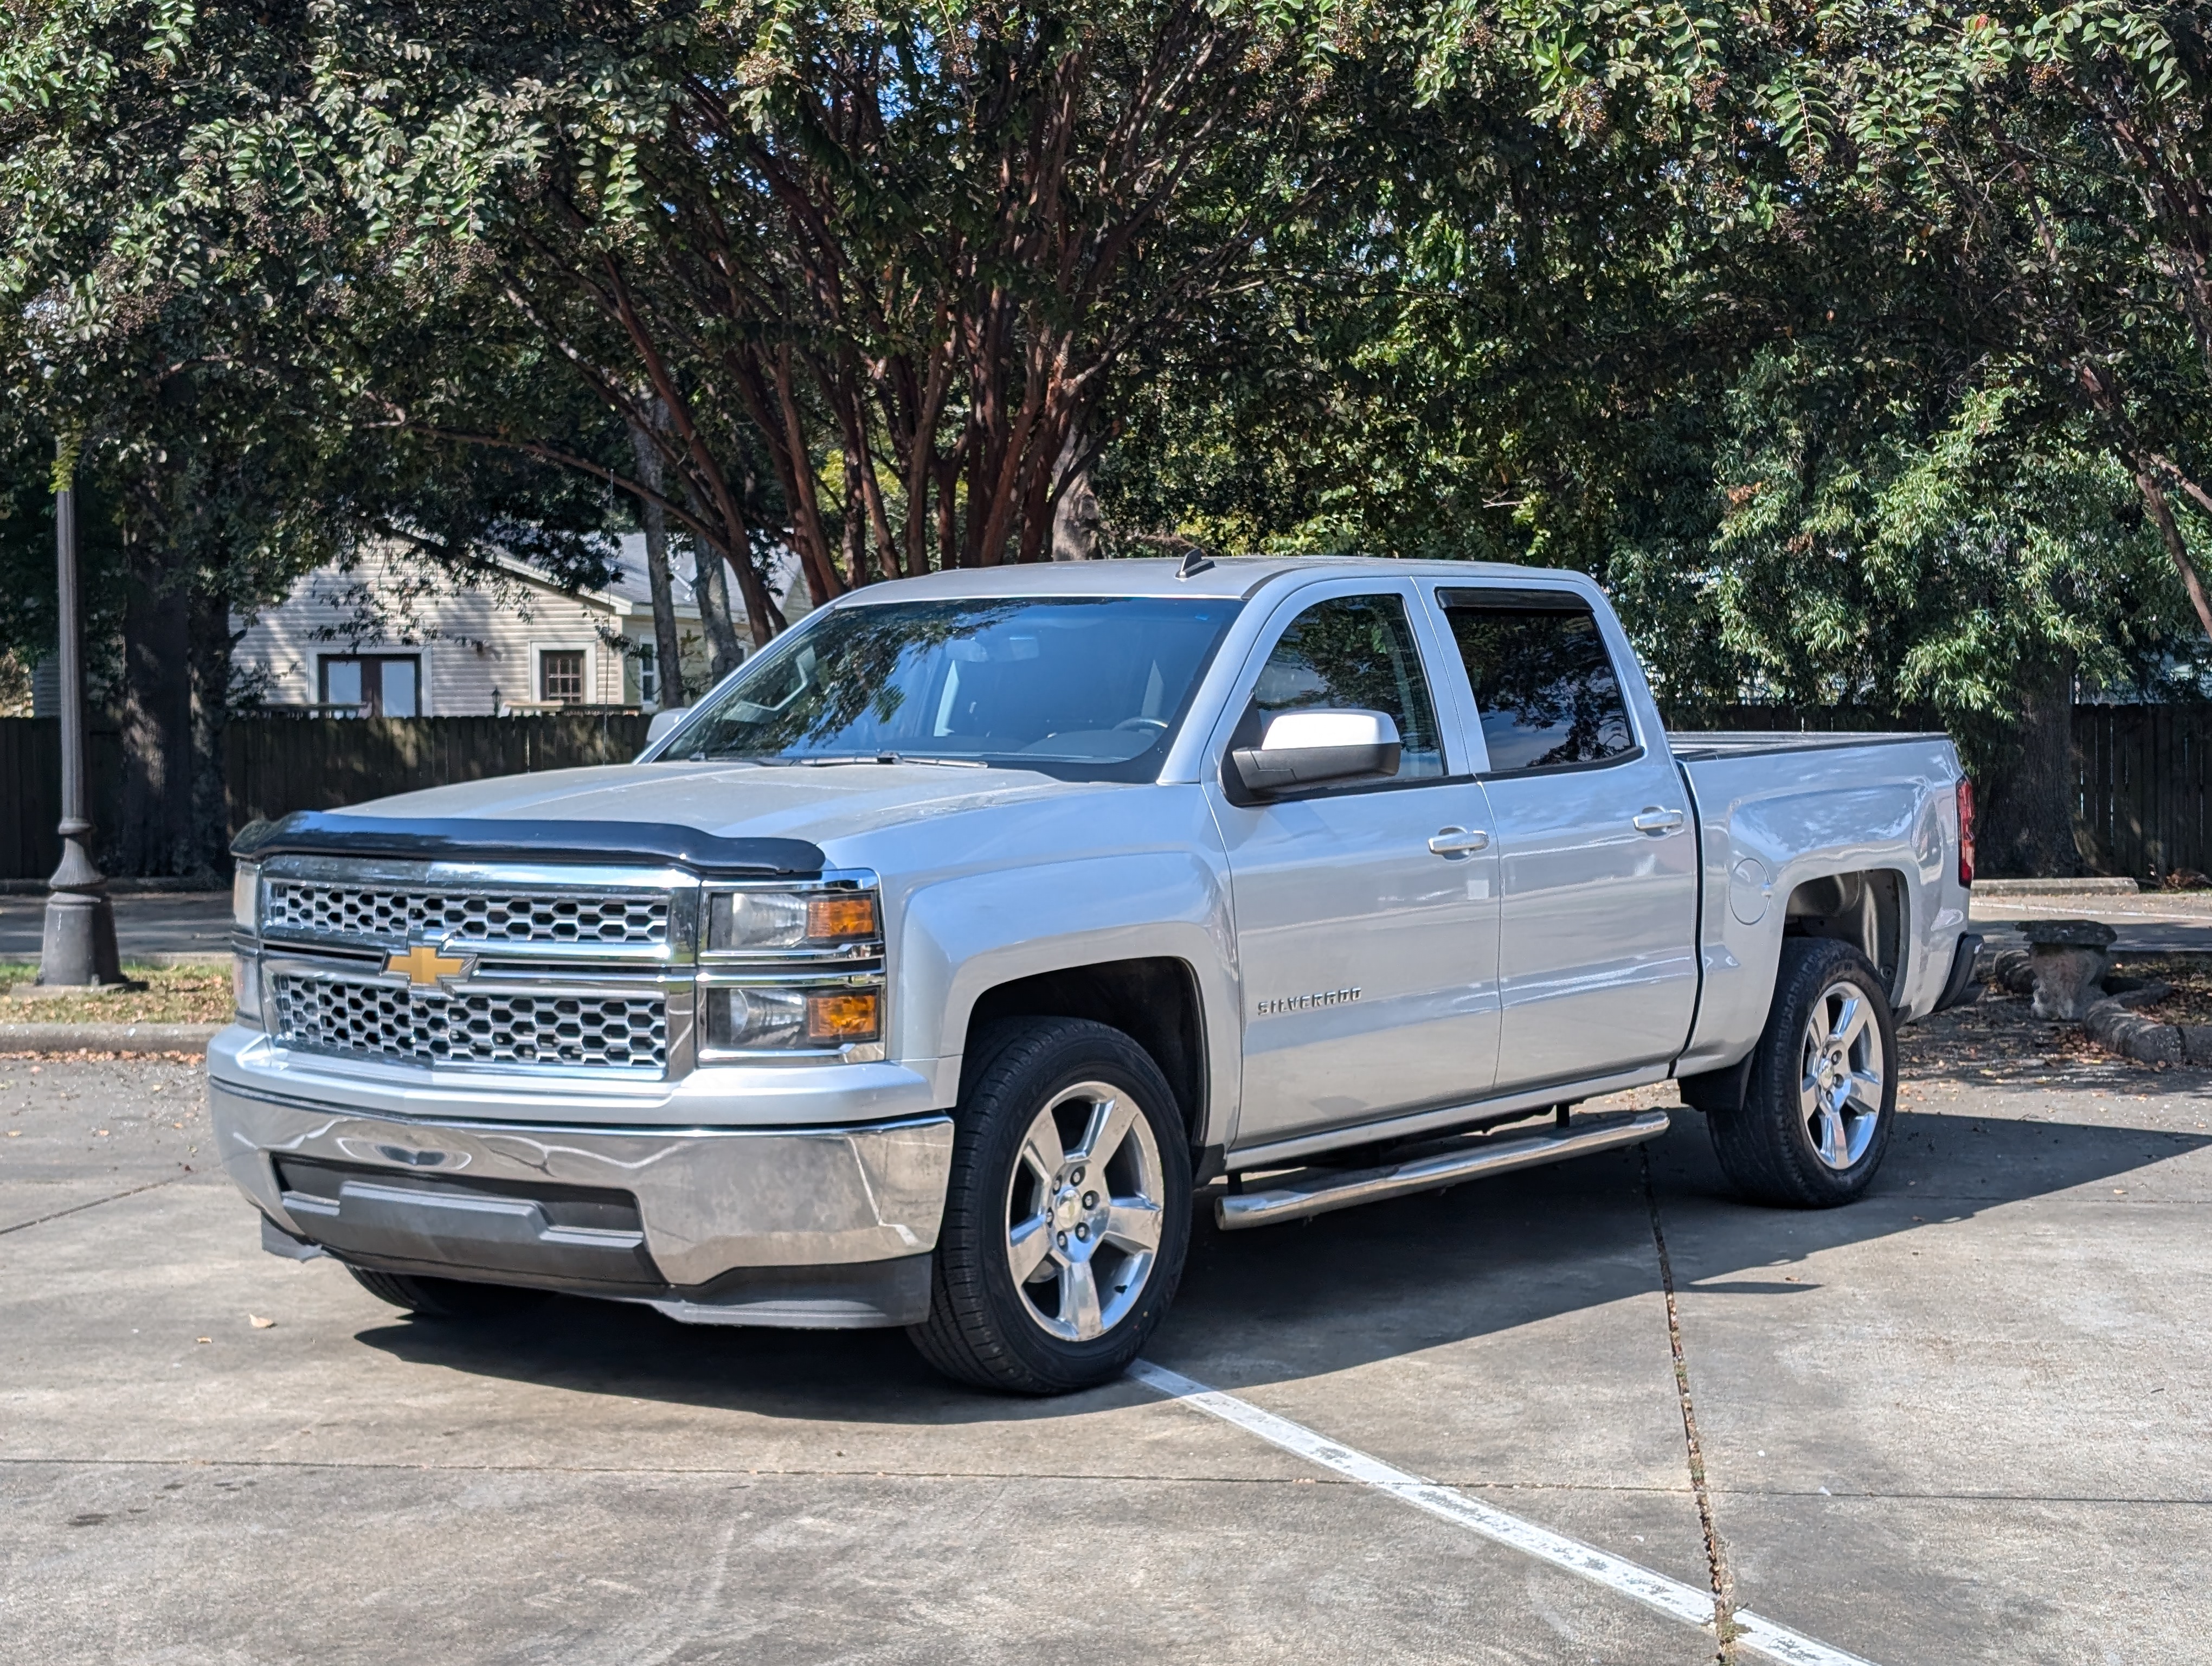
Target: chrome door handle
(1457, 842)
(1656, 820)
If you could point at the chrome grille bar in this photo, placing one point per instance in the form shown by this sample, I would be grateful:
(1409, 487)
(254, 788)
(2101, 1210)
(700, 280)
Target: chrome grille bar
(395, 917)
(381, 1018)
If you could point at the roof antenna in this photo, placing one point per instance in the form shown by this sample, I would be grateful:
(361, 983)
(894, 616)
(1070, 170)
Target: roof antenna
(1196, 561)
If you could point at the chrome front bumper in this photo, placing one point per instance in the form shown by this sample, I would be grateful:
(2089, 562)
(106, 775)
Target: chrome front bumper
(734, 1226)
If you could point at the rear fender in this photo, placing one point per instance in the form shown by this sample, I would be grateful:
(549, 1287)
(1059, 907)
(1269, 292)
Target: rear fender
(1761, 853)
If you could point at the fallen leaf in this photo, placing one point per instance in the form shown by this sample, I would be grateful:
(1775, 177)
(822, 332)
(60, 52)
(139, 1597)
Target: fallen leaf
(257, 1321)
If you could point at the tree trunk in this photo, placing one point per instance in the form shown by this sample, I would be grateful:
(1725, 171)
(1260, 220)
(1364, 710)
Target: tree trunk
(212, 642)
(850, 536)
(2162, 515)
(2027, 820)
(667, 646)
(154, 830)
(711, 586)
(1075, 518)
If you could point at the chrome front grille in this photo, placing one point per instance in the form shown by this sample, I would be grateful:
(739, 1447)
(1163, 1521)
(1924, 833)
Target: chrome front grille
(375, 1018)
(397, 916)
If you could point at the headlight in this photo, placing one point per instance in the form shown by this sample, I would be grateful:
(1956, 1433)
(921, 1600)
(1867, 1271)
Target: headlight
(757, 1018)
(246, 896)
(246, 988)
(743, 919)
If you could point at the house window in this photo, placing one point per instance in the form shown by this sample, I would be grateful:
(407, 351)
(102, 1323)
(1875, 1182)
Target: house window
(561, 676)
(648, 678)
(375, 684)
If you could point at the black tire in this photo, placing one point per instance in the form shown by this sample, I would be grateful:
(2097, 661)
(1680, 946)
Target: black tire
(982, 1328)
(1768, 1148)
(445, 1299)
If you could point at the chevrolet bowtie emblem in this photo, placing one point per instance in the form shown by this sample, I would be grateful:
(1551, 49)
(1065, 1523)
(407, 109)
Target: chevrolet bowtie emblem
(425, 967)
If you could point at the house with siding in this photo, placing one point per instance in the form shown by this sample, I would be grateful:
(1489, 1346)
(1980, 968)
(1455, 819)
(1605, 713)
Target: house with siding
(392, 637)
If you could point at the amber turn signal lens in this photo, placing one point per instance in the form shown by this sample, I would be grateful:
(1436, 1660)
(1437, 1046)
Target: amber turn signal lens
(837, 919)
(844, 1018)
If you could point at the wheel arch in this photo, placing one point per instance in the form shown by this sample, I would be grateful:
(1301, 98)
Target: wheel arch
(1868, 908)
(1155, 1000)
(1072, 939)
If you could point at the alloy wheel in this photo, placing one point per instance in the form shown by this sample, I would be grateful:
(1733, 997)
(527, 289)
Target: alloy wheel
(1083, 1212)
(1842, 1076)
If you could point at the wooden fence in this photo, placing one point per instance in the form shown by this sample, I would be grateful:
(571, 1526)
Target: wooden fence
(2145, 791)
(31, 791)
(2144, 806)
(275, 765)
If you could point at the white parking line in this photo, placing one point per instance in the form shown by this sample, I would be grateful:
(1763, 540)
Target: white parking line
(1676, 1601)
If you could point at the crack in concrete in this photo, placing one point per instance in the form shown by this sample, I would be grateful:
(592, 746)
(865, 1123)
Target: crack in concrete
(79, 1208)
(1717, 1567)
(1464, 1485)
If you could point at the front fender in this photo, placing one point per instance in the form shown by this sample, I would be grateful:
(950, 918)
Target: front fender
(962, 936)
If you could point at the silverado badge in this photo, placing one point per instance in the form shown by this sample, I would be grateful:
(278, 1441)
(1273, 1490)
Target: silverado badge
(426, 967)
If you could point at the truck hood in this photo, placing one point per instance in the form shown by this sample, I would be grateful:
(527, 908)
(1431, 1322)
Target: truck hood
(820, 804)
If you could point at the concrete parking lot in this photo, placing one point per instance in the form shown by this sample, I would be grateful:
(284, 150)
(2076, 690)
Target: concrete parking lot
(1969, 1418)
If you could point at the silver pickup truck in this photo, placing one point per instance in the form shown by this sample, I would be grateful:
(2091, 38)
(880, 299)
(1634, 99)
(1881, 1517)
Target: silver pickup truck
(924, 972)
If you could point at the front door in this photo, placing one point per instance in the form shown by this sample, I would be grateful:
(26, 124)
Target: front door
(1369, 960)
(1597, 846)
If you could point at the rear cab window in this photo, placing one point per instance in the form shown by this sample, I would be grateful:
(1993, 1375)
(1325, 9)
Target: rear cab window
(1545, 689)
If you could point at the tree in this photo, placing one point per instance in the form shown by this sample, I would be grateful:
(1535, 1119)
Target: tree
(1909, 547)
(2011, 200)
(1791, 327)
(179, 299)
(2045, 165)
(878, 266)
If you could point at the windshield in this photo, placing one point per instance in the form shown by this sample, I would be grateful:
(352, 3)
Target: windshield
(1089, 688)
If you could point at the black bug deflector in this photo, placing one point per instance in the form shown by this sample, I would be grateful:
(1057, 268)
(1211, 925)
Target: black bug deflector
(324, 833)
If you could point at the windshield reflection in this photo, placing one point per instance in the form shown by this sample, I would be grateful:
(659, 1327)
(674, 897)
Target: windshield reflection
(1088, 687)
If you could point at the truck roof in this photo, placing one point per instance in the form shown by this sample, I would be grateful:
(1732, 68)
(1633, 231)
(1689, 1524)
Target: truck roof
(1235, 576)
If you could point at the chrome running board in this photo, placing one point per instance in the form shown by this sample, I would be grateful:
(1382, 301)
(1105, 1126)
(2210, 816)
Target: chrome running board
(1317, 1191)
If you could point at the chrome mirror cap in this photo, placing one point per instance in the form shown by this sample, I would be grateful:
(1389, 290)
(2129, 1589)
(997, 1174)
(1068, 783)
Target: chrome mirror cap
(1310, 748)
(664, 720)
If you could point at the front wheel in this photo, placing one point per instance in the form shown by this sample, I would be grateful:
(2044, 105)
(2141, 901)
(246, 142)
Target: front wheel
(1822, 1093)
(1067, 1213)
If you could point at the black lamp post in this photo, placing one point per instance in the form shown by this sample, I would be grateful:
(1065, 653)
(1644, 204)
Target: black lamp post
(79, 946)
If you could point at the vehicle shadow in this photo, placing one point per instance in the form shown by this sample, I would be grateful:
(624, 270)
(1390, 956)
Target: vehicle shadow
(1300, 1300)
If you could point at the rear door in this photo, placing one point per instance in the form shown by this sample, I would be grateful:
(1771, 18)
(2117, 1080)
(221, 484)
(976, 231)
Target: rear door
(1369, 960)
(1597, 849)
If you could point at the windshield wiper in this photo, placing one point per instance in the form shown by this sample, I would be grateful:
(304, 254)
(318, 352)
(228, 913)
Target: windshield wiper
(891, 757)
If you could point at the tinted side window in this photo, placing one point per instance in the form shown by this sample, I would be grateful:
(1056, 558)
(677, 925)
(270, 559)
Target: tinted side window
(1543, 681)
(1352, 651)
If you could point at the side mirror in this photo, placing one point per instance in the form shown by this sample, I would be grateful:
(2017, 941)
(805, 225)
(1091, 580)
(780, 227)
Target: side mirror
(663, 721)
(1308, 748)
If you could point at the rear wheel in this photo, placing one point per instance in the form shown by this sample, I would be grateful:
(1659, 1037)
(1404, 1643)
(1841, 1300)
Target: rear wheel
(1067, 1213)
(1822, 1092)
(445, 1299)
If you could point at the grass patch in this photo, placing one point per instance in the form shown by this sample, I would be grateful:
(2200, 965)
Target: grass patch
(173, 994)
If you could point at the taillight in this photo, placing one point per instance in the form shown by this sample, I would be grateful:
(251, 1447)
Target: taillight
(1966, 832)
